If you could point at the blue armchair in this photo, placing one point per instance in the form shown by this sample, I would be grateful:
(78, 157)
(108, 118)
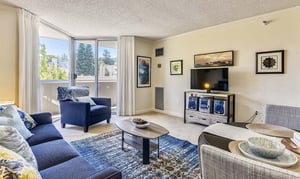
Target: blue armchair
(82, 113)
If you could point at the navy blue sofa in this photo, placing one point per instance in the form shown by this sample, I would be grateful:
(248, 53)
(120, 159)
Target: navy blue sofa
(56, 158)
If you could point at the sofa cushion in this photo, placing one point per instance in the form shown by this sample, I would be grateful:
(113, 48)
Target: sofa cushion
(44, 133)
(75, 168)
(52, 153)
(98, 109)
(10, 117)
(11, 139)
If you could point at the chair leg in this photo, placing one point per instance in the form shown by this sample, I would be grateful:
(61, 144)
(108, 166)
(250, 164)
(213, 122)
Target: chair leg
(108, 121)
(86, 128)
(63, 125)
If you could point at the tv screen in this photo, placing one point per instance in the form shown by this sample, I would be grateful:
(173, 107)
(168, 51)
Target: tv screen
(210, 79)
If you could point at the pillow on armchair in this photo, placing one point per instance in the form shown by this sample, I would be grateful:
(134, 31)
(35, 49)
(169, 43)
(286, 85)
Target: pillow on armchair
(86, 99)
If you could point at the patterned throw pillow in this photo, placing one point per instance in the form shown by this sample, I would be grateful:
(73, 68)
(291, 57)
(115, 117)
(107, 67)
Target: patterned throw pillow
(13, 140)
(10, 117)
(26, 118)
(13, 165)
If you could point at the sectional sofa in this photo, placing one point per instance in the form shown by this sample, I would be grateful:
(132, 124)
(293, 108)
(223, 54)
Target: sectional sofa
(56, 158)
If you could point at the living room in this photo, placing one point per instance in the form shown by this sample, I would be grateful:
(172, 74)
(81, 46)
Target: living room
(276, 30)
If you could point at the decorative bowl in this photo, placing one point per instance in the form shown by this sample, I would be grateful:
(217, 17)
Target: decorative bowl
(140, 123)
(265, 147)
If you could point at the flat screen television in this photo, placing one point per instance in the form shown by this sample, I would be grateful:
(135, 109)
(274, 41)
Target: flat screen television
(210, 79)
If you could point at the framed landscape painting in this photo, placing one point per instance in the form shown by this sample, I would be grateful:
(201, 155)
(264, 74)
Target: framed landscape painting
(143, 71)
(270, 62)
(214, 59)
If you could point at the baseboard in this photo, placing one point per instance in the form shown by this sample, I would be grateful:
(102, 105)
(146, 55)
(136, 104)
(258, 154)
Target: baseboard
(143, 111)
(171, 113)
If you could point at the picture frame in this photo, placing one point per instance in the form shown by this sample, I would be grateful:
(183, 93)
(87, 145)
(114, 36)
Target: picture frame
(176, 67)
(270, 62)
(143, 71)
(214, 59)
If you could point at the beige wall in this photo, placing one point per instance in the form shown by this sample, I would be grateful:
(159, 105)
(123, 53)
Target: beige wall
(245, 37)
(8, 54)
(143, 96)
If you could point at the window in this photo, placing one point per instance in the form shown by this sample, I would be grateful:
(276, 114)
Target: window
(54, 55)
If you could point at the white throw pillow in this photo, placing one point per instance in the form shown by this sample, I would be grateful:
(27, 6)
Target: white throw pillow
(86, 99)
(11, 139)
(10, 117)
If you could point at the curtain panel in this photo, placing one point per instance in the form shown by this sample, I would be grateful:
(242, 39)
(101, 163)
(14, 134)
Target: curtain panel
(126, 76)
(29, 90)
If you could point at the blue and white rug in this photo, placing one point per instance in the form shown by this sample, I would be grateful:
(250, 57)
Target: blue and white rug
(178, 158)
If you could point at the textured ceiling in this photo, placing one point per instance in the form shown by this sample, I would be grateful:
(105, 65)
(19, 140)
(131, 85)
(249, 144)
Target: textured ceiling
(153, 19)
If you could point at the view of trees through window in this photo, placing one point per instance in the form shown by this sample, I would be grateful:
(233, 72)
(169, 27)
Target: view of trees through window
(54, 59)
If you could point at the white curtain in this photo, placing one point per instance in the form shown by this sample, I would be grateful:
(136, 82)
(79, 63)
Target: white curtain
(126, 76)
(29, 91)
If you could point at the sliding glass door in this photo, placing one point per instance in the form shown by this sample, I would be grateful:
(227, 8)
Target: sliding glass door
(96, 67)
(85, 64)
(107, 70)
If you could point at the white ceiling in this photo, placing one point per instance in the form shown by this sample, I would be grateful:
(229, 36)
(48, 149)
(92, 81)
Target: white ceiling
(153, 19)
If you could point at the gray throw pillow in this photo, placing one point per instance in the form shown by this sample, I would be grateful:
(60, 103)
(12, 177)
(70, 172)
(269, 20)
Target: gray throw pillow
(10, 117)
(11, 139)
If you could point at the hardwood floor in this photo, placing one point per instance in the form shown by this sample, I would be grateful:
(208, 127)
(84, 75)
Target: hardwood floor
(175, 125)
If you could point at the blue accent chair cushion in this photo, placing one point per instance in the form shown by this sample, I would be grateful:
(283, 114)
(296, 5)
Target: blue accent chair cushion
(82, 113)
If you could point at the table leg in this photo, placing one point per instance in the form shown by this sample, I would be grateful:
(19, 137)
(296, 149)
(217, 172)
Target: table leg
(158, 147)
(122, 140)
(146, 151)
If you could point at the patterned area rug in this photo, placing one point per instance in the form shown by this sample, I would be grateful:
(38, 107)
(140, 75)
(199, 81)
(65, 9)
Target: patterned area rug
(178, 158)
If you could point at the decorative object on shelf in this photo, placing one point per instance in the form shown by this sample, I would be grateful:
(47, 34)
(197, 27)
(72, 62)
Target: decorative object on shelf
(176, 67)
(143, 71)
(265, 147)
(159, 52)
(219, 106)
(270, 62)
(215, 59)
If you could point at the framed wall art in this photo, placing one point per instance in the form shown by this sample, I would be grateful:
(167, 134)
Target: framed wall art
(215, 59)
(176, 67)
(270, 62)
(143, 71)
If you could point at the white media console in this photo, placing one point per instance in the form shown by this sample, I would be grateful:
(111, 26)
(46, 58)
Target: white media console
(208, 108)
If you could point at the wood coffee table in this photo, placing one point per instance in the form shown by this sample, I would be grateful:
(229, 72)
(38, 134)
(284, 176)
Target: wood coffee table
(140, 138)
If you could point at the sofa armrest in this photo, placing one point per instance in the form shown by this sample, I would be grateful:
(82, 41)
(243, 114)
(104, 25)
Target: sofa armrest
(42, 118)
(78, 112)
(108, 173)
(102, 101)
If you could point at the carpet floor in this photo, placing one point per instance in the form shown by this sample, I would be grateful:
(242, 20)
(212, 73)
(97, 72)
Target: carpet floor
(178, 158)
